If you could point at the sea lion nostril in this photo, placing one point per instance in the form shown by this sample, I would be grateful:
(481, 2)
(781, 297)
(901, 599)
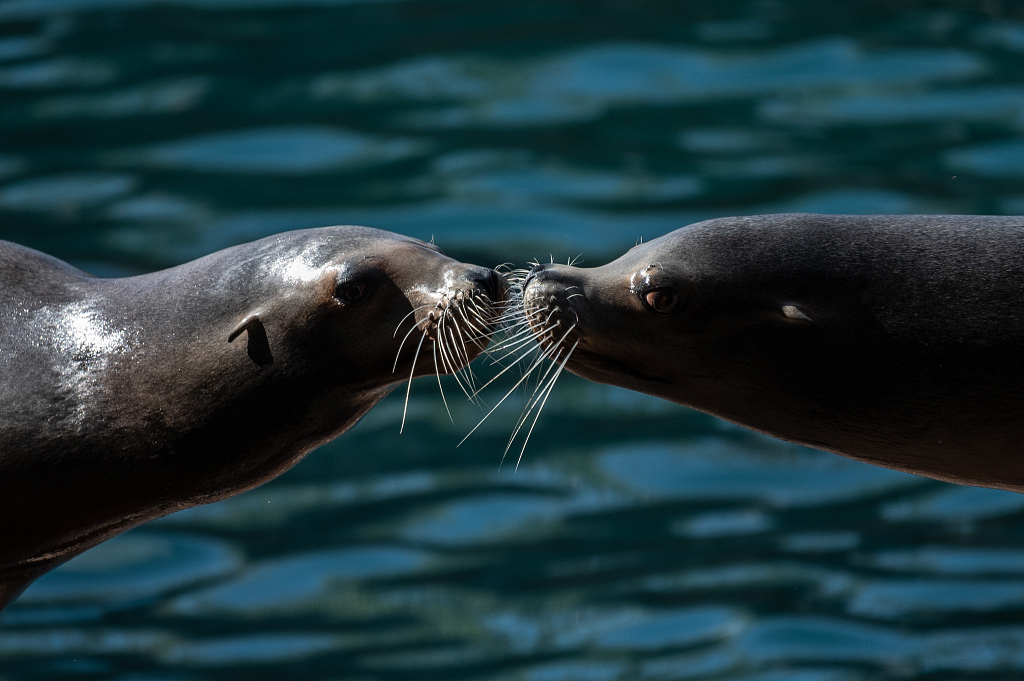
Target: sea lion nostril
(498, 286)
(489, 282)
(532, 274)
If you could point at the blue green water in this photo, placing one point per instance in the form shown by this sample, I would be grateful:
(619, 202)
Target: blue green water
(637, 539)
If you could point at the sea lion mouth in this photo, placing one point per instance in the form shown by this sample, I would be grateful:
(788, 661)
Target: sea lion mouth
(459, 327)
(550, 317)
(585, 364)
(555, 324)
(453, 331)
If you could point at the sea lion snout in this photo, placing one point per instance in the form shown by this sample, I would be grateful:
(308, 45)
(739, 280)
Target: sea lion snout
(458, 319)
(490, 283)
(548, 291)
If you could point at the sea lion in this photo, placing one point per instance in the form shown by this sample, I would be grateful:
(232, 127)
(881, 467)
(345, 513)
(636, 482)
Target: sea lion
(895, 340)
(122, 400)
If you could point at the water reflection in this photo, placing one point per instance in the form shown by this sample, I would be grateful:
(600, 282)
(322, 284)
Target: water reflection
(295, 581)
(636, 540)
(56, 73)
(292, 150)
(955, 504)
(773, 473)
(997, 159)
(66, 191)
(487, 519)
(584, 84)
(135, 567)
(162, 97)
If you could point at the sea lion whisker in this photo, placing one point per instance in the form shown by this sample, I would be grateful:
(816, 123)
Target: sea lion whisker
(490, 314)
(548, 330)
(512, 390)
(540, 380)
(547, 394)
(511, 318)
(408, 386)
(518, 360)
(441, 342)
(515, 347)
(551, 351)
(447, 356)
(402, 345)
(510, 323)
(461, 360)
(485, 334)
(468, 372)
(513, 335)
(480, 332)
(473, 312)
(513, 338)
(414, 311)
(531, 402)
(462, 339)
(437, 372)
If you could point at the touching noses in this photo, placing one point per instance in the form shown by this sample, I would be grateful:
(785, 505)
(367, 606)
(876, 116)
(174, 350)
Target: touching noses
(488, 282)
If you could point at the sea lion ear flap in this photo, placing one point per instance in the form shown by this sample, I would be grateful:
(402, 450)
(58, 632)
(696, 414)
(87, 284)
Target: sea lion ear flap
(258, 346)
(795, 313)
(244, 325)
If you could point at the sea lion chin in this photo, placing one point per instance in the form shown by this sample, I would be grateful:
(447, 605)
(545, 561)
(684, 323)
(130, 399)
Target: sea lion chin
(122, 400)
(895, 340)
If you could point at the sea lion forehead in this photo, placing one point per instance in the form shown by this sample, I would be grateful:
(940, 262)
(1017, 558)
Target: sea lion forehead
(658, 259)
(304, 255)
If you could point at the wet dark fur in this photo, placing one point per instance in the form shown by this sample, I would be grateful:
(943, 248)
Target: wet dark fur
(122, 400)
(911, 355)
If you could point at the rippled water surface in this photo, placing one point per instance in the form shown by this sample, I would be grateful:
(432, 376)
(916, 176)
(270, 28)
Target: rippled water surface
(637, 539)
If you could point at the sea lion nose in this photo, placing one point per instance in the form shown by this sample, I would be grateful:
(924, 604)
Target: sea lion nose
(490, 282)
(534, 271)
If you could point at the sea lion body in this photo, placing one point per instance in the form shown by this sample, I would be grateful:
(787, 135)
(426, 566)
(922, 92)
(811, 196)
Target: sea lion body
(122, 400)
(896, 340)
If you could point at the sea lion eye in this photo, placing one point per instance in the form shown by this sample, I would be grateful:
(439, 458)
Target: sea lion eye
(661, 300)
(347, 293)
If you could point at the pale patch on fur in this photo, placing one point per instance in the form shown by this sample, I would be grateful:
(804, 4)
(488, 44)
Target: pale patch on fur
(80, 333)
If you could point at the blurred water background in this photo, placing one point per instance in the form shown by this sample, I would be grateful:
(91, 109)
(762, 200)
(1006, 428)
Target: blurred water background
(637, 540)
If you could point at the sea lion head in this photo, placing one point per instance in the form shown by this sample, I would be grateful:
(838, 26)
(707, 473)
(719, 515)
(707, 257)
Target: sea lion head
(367, 307)
(894, 340)
(180, 387)
(745, 319)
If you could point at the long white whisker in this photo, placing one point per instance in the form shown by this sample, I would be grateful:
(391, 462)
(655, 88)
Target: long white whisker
(445, 355)
(399, 353)
(408, 386)
(550, 388)
(467, 376)
(515, 346)
(395, 334)
(480, 333)
(529, 407)
(529, 371)
(518, 360)
(437, 371)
